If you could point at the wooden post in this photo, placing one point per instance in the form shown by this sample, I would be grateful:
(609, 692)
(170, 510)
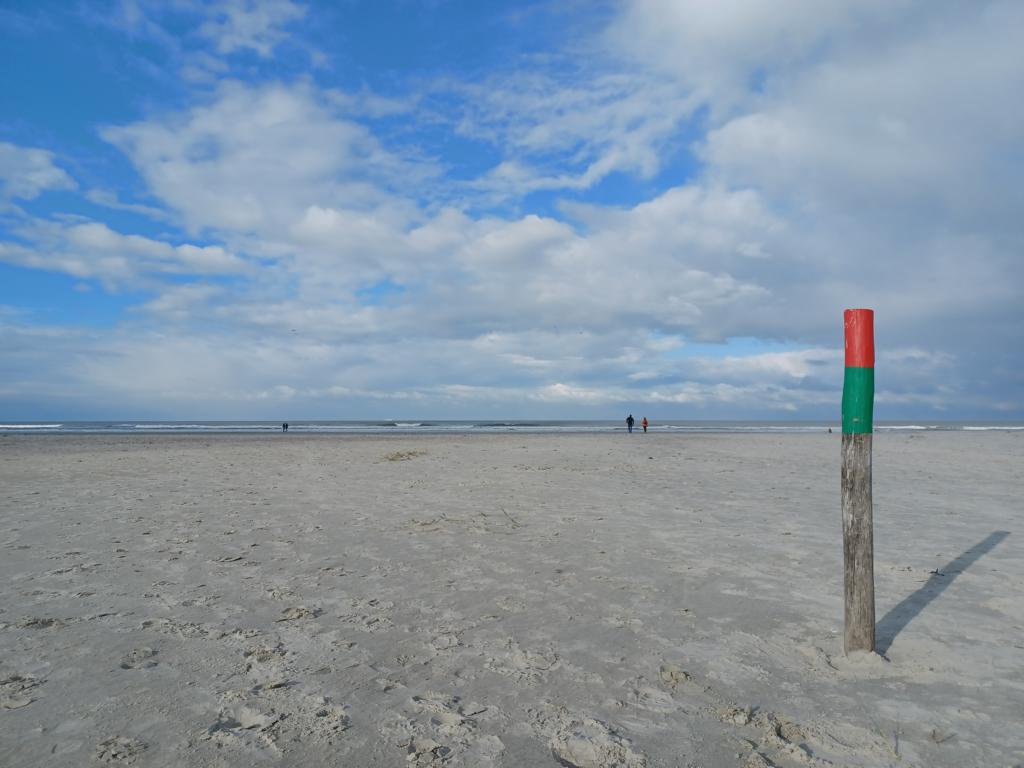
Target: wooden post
(858, 538)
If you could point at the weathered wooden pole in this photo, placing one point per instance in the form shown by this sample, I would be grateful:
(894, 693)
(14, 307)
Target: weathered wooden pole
(858, 539)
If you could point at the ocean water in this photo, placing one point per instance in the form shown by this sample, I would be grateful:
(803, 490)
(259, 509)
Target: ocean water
(472, 427)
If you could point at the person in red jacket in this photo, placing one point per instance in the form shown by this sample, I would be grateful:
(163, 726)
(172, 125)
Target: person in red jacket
(644, 423)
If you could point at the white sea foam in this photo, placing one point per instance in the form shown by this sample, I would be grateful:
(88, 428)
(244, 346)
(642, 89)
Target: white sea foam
(987, 429)
(31, 426)
(202, 427)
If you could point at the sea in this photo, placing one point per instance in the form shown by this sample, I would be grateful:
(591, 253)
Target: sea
(439, 427)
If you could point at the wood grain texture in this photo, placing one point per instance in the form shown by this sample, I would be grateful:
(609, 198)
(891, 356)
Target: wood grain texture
(858, 543)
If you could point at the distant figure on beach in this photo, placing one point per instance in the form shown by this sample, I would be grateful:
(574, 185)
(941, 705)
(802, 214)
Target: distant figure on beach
(629, 423)
(644, 423)
(284, 427)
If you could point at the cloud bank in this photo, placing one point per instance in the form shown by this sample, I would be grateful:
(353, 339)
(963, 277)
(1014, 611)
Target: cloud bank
(668, 209)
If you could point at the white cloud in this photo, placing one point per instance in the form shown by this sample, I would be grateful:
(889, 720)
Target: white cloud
(572, 129)
(257, 25)
(798, 364)
(201, 40)
(180, 302)
(880, 136)
(230, 374)
(717, 51)
(850, 154)
(109, 199)
(90, 249)
(559, 393)
(254, 159)
(26, 172)
(910, 124)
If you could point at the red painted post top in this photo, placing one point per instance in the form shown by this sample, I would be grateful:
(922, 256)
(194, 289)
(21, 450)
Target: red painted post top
(859, 328)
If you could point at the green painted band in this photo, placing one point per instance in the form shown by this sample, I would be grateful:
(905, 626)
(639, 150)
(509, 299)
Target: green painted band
(858, 400)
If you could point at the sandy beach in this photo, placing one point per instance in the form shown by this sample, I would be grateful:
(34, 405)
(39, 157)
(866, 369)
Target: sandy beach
(510, 600)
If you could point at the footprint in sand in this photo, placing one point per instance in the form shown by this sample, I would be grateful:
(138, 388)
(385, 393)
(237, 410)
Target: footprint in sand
(445, 641)
(280, 592)
(139, 658)
(369, 615)
(526, 665)
(735, 715)
(589, 743)
(201, 601)
(276, 718)
(424, 752)
(186, 629)
(672, 675)
(264, 664)
(511, 604)
(261, 654)
(652, 699)
(330, 718)
(757, 760)
(583, 742)
(447, 716)
(120, 750)
(312, 718)
(438, 729)
(787, 738)
(15, 691)
(244, 726)
(299, 612)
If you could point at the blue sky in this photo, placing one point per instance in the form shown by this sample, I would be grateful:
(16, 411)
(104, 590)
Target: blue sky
(285, 209)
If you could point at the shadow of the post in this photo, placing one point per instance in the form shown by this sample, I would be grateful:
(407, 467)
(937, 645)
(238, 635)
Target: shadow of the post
(904, 612)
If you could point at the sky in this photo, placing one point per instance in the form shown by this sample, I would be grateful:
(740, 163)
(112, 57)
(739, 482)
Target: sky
(289, 209)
